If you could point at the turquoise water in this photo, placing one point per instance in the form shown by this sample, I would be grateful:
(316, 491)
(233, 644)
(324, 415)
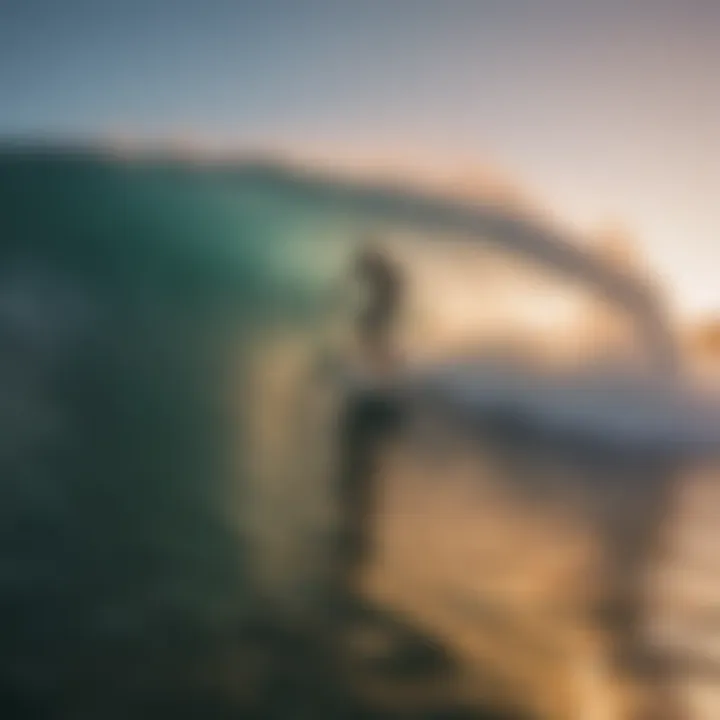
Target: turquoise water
(152, 223)
(130, 299)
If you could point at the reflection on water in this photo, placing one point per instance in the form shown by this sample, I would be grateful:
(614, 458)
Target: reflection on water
(539, 565)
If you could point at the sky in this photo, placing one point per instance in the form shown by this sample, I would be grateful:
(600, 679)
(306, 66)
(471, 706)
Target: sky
(604, 110)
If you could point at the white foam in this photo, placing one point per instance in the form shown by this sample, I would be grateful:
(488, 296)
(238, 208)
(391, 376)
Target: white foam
(613, 406)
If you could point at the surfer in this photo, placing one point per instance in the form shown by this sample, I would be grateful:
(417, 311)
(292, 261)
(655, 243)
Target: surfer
(367, 416)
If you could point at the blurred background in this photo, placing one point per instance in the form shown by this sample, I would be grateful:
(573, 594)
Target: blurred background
(359, 359)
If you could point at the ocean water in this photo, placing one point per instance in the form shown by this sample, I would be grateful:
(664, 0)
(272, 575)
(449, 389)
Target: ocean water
(132, 299)
(168, 457)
